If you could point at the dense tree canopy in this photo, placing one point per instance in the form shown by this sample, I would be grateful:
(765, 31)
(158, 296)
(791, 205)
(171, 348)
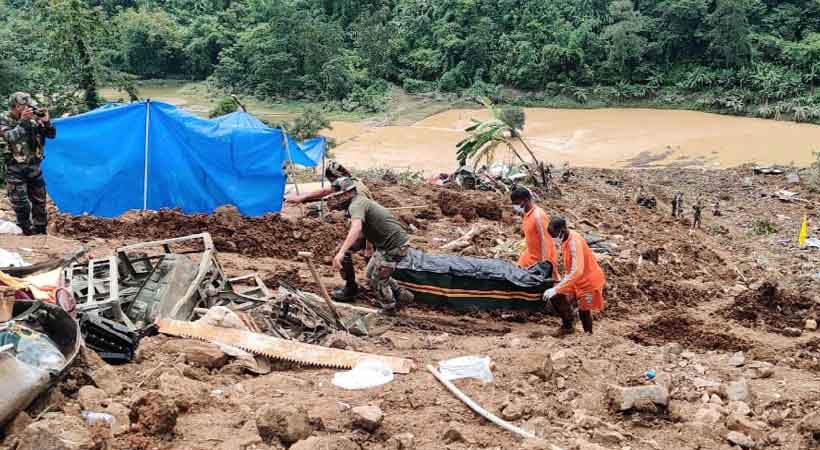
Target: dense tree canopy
(757, 57)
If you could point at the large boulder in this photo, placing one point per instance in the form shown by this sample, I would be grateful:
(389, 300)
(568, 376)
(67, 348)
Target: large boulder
(202, 354)
(154, 413)
(91, 398)
(626, 398)
(56, 432)
(367, 417)
(287, 423)
(325, 443)
(107, 379)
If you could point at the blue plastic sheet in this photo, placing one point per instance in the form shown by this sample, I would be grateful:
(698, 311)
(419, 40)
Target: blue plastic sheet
(97, 164)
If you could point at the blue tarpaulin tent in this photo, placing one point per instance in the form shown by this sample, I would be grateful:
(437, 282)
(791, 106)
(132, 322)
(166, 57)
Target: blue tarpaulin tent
(151, 155)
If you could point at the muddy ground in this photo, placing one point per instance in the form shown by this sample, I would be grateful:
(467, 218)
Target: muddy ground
(679, 302)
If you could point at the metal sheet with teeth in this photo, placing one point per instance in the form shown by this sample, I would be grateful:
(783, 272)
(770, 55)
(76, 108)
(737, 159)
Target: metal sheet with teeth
(276, 348)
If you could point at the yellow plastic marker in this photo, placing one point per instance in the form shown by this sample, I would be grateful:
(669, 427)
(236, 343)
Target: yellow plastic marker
(801, 238)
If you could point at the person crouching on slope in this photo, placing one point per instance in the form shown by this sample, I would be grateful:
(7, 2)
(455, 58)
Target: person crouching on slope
(388, 236)
(584, 280)
(540, 246)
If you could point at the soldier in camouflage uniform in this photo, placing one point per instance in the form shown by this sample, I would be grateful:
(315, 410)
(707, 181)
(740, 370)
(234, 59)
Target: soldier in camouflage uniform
(23, 131)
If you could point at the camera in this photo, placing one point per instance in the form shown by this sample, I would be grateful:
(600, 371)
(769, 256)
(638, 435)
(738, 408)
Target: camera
(37, 111)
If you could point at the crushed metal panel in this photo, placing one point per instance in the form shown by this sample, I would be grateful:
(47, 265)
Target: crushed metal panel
(21, 383)
(169, 281)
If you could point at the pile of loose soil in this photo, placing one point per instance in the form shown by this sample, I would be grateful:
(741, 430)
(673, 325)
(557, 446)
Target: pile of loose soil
(688, 332)
(453, 203)
(771, 307)
(270, 235)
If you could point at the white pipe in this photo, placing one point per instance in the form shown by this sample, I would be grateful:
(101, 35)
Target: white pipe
(483, 412)
(145, 167)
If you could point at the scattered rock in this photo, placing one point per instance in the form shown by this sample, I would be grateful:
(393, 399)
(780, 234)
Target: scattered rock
(122, 423)
(183, 390)
(564, 359)
(202, 354)
(625, 398)
(739, 408)
(607, 437)
(402, 441)
(810, 425)
(586, 421)
(326, 443)
(708, 414)
(91, 398)
(715, 399)
(755, 430)
(154, 413)
(453, 433)
(287, 422)
(740, 439)
(56, 432)
(811, 324)
(535, 444)
(758, 370)
(18, 425)
(540, 366)
(343, 340)
(792, 332)
(674, 349)
(568, 395)
(738, 391)
(367, 417)
(738, 359)
(107, 379)
(513, 411)
(581, 444)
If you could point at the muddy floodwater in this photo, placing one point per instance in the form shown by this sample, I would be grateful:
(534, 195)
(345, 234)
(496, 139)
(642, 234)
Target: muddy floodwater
(594, 138)
(585, 137)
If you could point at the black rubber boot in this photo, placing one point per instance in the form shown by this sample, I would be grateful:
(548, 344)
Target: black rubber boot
(586, 320)
(28, 232)
(565, 312)
(345, 294)
(40, 229)
(348, 273)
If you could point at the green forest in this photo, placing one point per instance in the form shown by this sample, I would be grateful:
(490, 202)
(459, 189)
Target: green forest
(747, 57)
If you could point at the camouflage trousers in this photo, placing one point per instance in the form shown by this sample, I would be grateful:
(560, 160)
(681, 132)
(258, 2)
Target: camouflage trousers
(379, 271)
(26, 190)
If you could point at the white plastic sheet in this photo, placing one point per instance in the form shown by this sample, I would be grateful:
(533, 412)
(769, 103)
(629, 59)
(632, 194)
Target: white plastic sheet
(367, 374)
(11, 259)
(7, 227)
(467, 367)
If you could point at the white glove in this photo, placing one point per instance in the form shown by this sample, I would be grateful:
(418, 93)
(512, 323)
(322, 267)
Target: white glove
(550, 293)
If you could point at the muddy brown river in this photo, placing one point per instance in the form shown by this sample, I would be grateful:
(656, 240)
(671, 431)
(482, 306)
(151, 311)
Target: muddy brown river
(594, 138)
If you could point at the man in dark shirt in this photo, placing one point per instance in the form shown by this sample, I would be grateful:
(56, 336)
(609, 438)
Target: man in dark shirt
(383, 231)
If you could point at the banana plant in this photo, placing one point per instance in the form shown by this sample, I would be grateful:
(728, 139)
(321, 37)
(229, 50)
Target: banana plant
(502, 129)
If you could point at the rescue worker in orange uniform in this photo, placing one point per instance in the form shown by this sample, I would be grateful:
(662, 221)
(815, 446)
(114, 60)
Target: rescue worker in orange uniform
(540, 246)
(584, 280)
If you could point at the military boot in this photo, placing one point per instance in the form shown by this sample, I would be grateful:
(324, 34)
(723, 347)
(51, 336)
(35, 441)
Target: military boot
(40, 229)
(345, 294)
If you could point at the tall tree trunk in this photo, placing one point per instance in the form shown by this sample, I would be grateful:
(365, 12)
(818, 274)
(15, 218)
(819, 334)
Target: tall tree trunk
(87, 82)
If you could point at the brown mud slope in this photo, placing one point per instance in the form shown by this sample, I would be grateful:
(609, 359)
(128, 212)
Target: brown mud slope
(771, 307)
(270, 235)
(687, 332)
(453, 203)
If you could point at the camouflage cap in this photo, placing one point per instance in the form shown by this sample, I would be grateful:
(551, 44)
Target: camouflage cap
(21, 98)
(334, 170)
(343, 184)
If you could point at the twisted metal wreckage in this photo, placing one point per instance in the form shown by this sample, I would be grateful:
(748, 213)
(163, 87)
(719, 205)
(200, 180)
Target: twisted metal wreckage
(173, 286)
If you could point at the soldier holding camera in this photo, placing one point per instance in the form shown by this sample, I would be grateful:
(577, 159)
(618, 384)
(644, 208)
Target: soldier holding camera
(23, 131)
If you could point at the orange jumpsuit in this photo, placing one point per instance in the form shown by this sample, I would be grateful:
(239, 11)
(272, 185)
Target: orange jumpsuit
(584, 278)
(540, 246)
